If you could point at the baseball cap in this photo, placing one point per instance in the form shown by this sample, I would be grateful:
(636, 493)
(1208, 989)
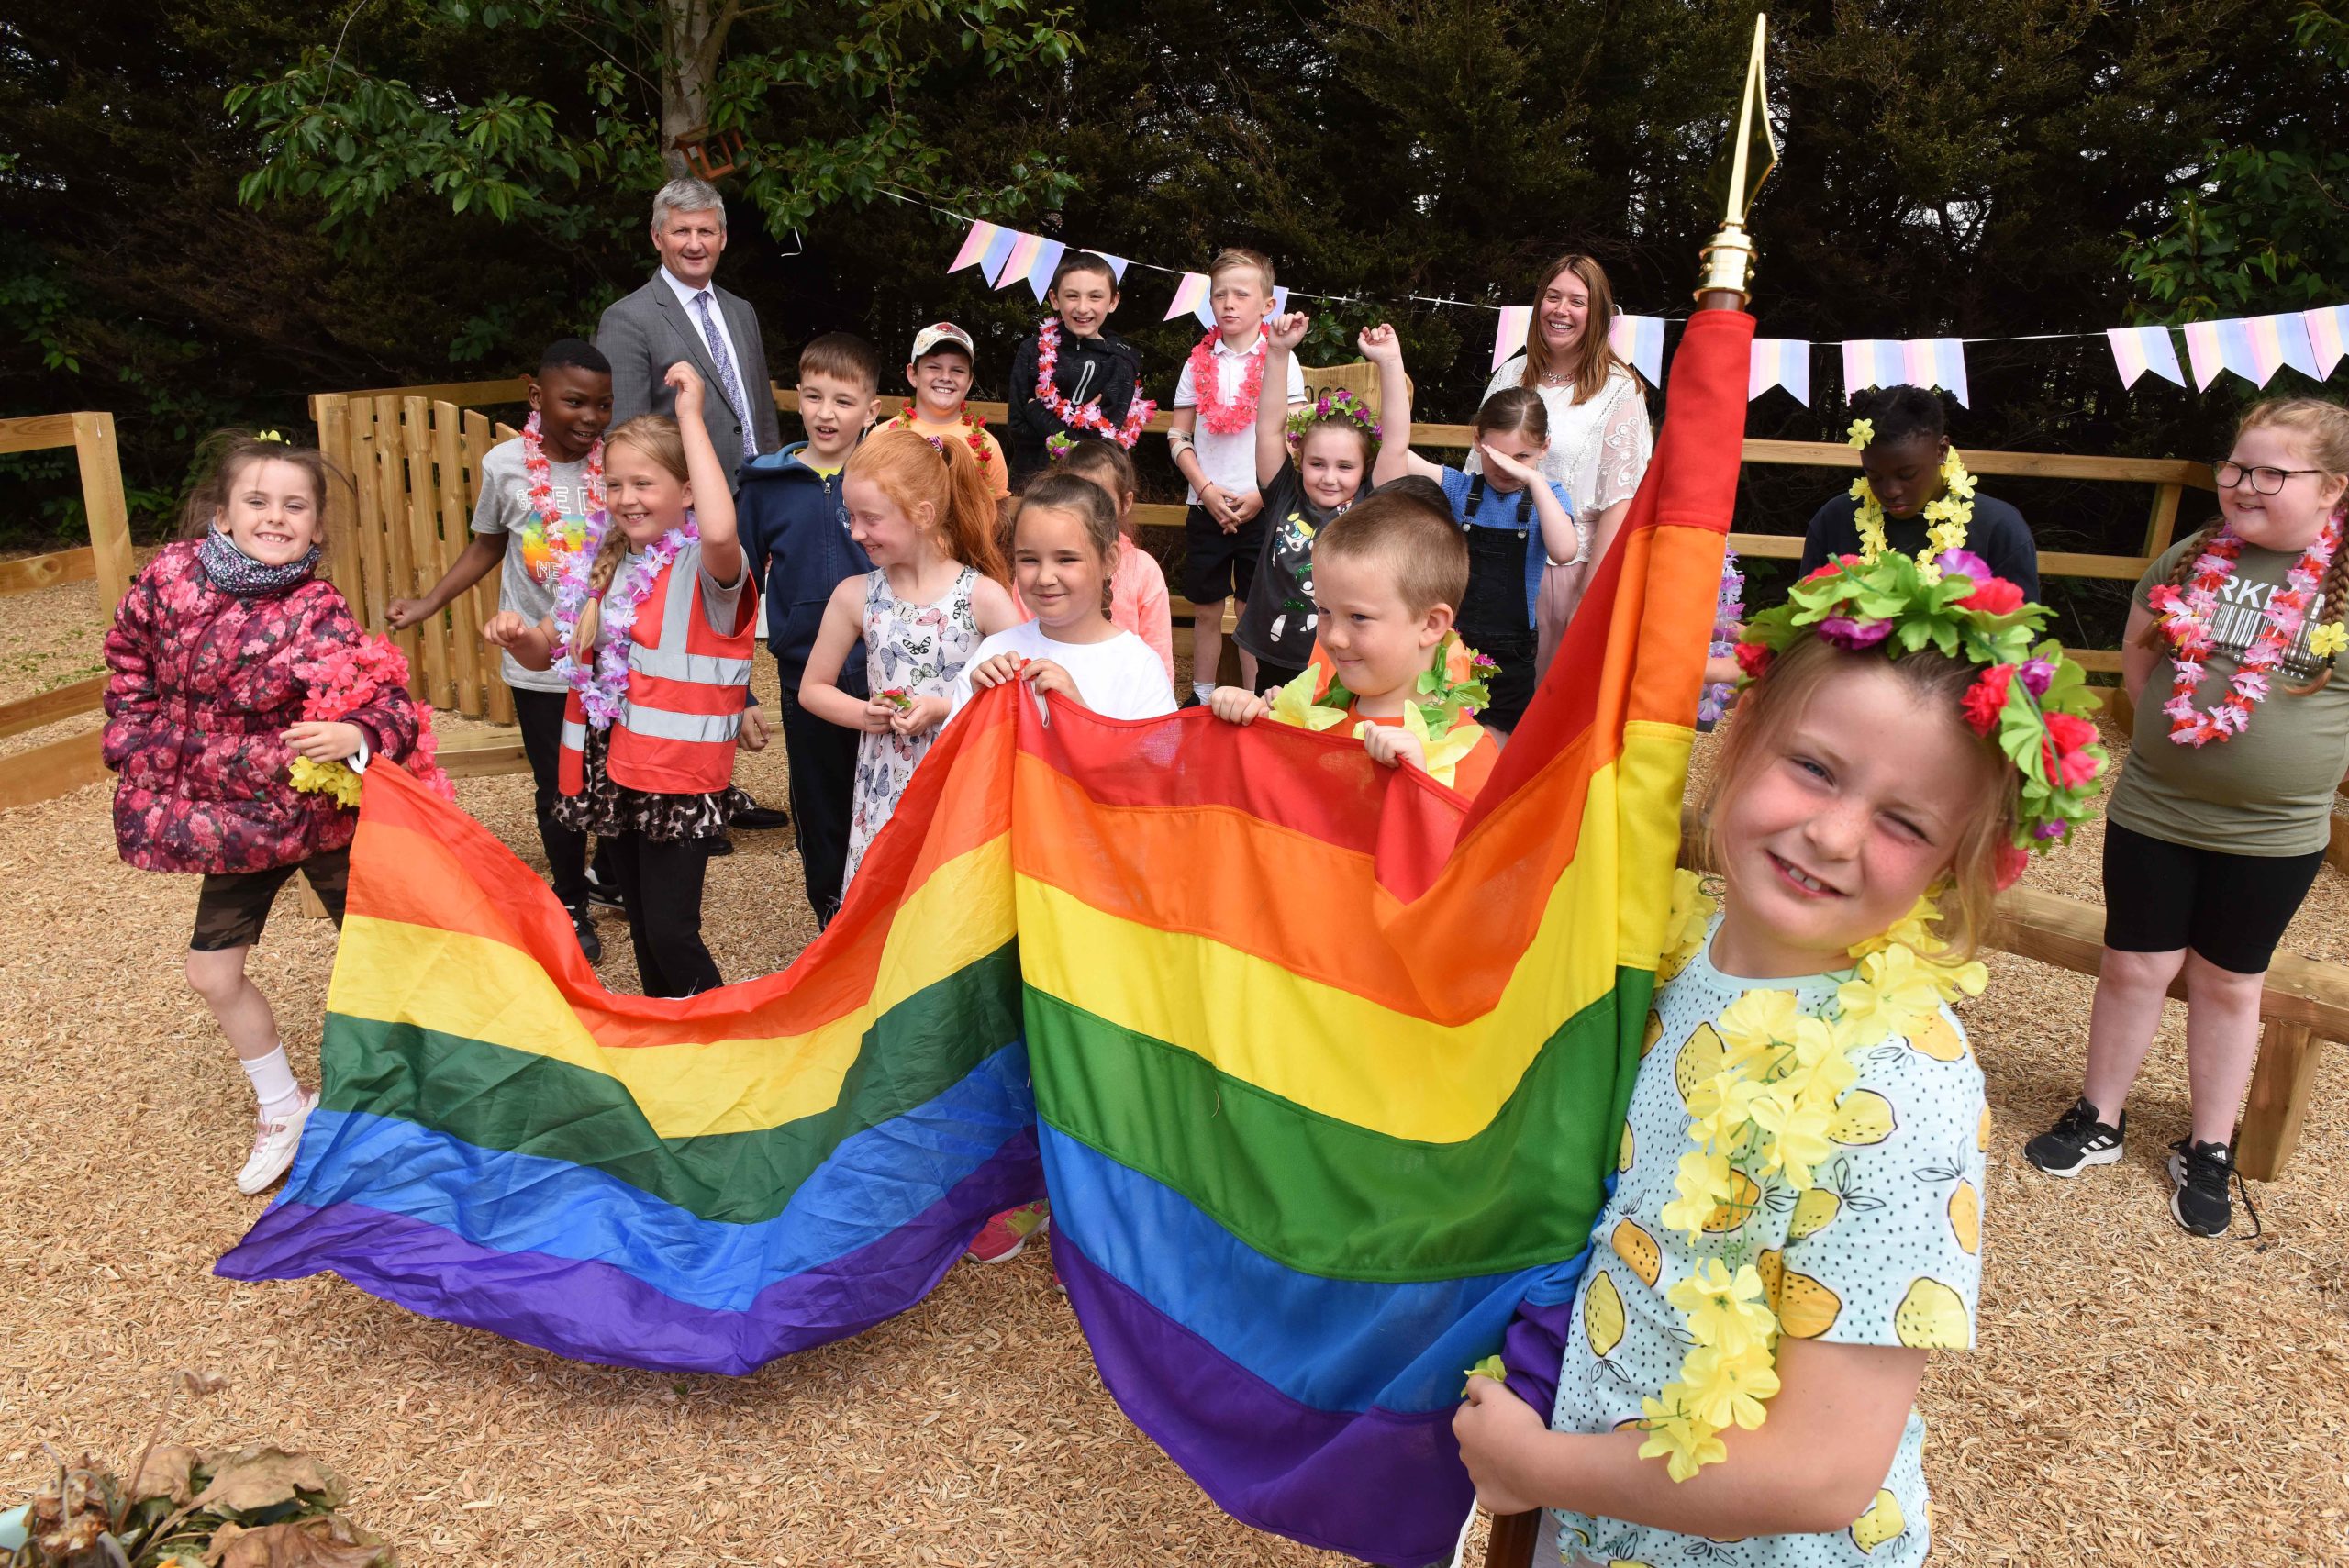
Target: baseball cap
(943, 332)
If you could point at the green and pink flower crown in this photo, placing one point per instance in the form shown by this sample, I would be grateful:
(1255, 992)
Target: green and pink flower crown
(2032, 699)
(1339, 405)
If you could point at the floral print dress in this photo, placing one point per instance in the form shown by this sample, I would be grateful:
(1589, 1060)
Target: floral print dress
(920, 650)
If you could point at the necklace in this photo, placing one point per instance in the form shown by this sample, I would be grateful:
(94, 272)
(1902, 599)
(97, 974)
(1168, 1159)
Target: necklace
(973, 430)
(1763, 1104)
(554, 535)
(602, 681)
(2185, 620)
(1088, 415)
(1222, 416)
(1947, 516)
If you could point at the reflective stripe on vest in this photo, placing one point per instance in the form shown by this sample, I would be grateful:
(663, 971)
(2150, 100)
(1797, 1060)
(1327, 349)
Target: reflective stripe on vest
(571, 758)
(687, 686)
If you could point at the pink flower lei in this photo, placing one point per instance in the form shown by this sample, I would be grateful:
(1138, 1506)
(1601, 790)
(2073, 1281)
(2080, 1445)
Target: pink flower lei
(2186, 622)
(555, 537)
(601, 679)
(347, 677)
(1088, 415)
(1222, 416)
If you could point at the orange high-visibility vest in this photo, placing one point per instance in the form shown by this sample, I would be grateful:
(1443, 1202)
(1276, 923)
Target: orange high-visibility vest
(687, 686)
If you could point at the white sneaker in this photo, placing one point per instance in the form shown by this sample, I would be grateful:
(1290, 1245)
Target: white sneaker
(274, 1146)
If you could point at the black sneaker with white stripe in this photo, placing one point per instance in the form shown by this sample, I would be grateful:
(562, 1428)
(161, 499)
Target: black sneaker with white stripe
(2076, 1142)
(2199, 1173)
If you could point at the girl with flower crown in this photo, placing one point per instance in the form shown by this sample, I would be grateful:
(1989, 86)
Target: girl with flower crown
(219, 662)
(1797, 1218)
(653, 633)
(1310, 466)
(2222, 817)
(1915, 495)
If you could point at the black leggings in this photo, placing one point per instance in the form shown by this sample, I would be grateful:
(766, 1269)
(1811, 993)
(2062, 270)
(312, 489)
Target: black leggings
(2233, 909)
(660, 882)
(539, 717)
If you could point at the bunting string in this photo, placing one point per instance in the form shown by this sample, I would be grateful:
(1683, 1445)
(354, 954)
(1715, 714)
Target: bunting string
(2254, 347)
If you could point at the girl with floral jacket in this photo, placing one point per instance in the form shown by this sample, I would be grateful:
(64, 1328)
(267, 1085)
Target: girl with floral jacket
(211, 656)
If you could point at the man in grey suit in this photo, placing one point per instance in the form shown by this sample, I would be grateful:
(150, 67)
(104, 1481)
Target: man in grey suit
(680, 314)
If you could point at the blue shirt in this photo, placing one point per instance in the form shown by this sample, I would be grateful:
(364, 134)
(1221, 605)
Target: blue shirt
(1497, 510)
(795, 529)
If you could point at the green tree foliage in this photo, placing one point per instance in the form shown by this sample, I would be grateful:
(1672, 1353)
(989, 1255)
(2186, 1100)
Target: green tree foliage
(1977, 170)
(2262, 223)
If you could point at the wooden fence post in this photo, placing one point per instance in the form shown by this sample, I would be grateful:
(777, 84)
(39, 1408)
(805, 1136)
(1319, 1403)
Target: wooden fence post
(2279, 1094)
(101, 500)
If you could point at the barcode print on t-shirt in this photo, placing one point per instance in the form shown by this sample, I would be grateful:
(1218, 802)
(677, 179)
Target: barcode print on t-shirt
(2243, 616)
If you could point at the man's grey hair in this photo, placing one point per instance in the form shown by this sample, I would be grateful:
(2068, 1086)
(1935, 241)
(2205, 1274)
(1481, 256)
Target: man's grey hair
(687, 195)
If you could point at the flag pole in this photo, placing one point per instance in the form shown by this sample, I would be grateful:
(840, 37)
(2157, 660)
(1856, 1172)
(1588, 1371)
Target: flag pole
(1728, 270)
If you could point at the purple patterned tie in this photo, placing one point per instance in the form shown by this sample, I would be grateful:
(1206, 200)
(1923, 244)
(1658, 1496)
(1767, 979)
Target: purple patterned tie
(726, 386)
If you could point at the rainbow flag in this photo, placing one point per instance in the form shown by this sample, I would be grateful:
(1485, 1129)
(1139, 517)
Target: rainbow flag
(1311, 1134)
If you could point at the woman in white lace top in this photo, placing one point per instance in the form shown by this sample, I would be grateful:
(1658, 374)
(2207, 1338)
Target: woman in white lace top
(1600, 435)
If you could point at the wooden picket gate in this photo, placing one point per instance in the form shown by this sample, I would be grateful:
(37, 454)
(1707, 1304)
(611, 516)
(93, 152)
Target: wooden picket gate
(415, 463)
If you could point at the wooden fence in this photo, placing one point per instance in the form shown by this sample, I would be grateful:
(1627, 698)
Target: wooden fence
(415, 463)
(44, 772)
(2166, 479)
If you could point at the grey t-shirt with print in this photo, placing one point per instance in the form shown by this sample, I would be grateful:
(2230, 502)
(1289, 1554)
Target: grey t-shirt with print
(505, 508)
(2268, 790)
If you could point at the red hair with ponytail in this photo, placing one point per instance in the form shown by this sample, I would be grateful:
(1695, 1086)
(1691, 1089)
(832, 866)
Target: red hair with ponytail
(943, 476)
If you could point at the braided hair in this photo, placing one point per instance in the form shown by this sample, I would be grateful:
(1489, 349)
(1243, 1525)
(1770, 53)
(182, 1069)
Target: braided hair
(2326, 427)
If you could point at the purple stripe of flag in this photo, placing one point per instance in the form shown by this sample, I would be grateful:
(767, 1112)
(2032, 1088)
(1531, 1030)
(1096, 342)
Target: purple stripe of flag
(596, 1312)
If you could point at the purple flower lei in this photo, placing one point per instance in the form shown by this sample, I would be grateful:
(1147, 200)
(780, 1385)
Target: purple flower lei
(602, 685)
(1728, 612)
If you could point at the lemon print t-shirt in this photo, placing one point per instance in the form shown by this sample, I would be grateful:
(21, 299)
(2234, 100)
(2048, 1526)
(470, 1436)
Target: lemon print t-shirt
(1883, 1250)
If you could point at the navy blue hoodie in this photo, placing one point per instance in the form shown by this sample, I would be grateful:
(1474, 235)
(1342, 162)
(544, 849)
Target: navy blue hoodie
(795, 529)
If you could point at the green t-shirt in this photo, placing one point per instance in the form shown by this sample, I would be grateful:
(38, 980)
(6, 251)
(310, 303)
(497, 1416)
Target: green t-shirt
(2268, 790)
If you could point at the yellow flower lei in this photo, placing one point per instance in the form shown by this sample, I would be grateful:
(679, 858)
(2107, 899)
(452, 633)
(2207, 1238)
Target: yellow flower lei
(1946, 518)
(1765, 1114)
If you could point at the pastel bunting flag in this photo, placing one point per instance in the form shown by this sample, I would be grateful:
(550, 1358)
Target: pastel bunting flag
(1040, 272)
(1640, 338)
(976, 244)
(1017, 260)
(1509, 336)
(1117, 264)
(1779, 362)
(2253, 347)
(1280, 299)
(2136, 350)
(1912, 362)
(1191, 294)
(2328, 337)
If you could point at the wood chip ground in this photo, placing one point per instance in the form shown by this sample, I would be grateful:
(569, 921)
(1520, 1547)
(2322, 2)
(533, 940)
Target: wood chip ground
(2139, 1395)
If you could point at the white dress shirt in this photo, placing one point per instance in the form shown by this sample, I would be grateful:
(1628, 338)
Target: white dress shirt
(686, 293)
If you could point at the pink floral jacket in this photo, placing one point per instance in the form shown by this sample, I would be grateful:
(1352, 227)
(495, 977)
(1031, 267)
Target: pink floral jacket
(200, 686)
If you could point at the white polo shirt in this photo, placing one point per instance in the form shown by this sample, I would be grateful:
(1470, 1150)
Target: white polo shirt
(1229, 461)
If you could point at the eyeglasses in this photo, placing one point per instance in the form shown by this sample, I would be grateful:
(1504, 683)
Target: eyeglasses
(2263, 481)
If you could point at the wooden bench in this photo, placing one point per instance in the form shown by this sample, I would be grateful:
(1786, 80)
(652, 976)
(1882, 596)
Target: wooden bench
(2304, 1002)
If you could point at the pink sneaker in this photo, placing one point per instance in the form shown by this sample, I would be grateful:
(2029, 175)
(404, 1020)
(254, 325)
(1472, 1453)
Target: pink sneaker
(1004, 1236)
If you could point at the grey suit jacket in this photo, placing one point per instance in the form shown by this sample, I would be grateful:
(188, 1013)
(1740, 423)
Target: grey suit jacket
(646, 332)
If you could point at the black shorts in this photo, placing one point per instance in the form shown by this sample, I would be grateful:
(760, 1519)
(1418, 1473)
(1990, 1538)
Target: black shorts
(1217, 565)
(2160, 897)
(232, 907)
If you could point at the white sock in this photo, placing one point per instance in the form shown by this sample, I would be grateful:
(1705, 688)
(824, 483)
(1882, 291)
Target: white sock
(1203, 689)
(273, 1085)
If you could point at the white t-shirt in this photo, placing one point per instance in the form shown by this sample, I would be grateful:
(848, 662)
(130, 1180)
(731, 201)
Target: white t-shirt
(1229, 461)
(1121, 678)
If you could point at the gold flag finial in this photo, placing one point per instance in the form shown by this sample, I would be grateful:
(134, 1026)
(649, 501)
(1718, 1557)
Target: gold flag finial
(1728, 260)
